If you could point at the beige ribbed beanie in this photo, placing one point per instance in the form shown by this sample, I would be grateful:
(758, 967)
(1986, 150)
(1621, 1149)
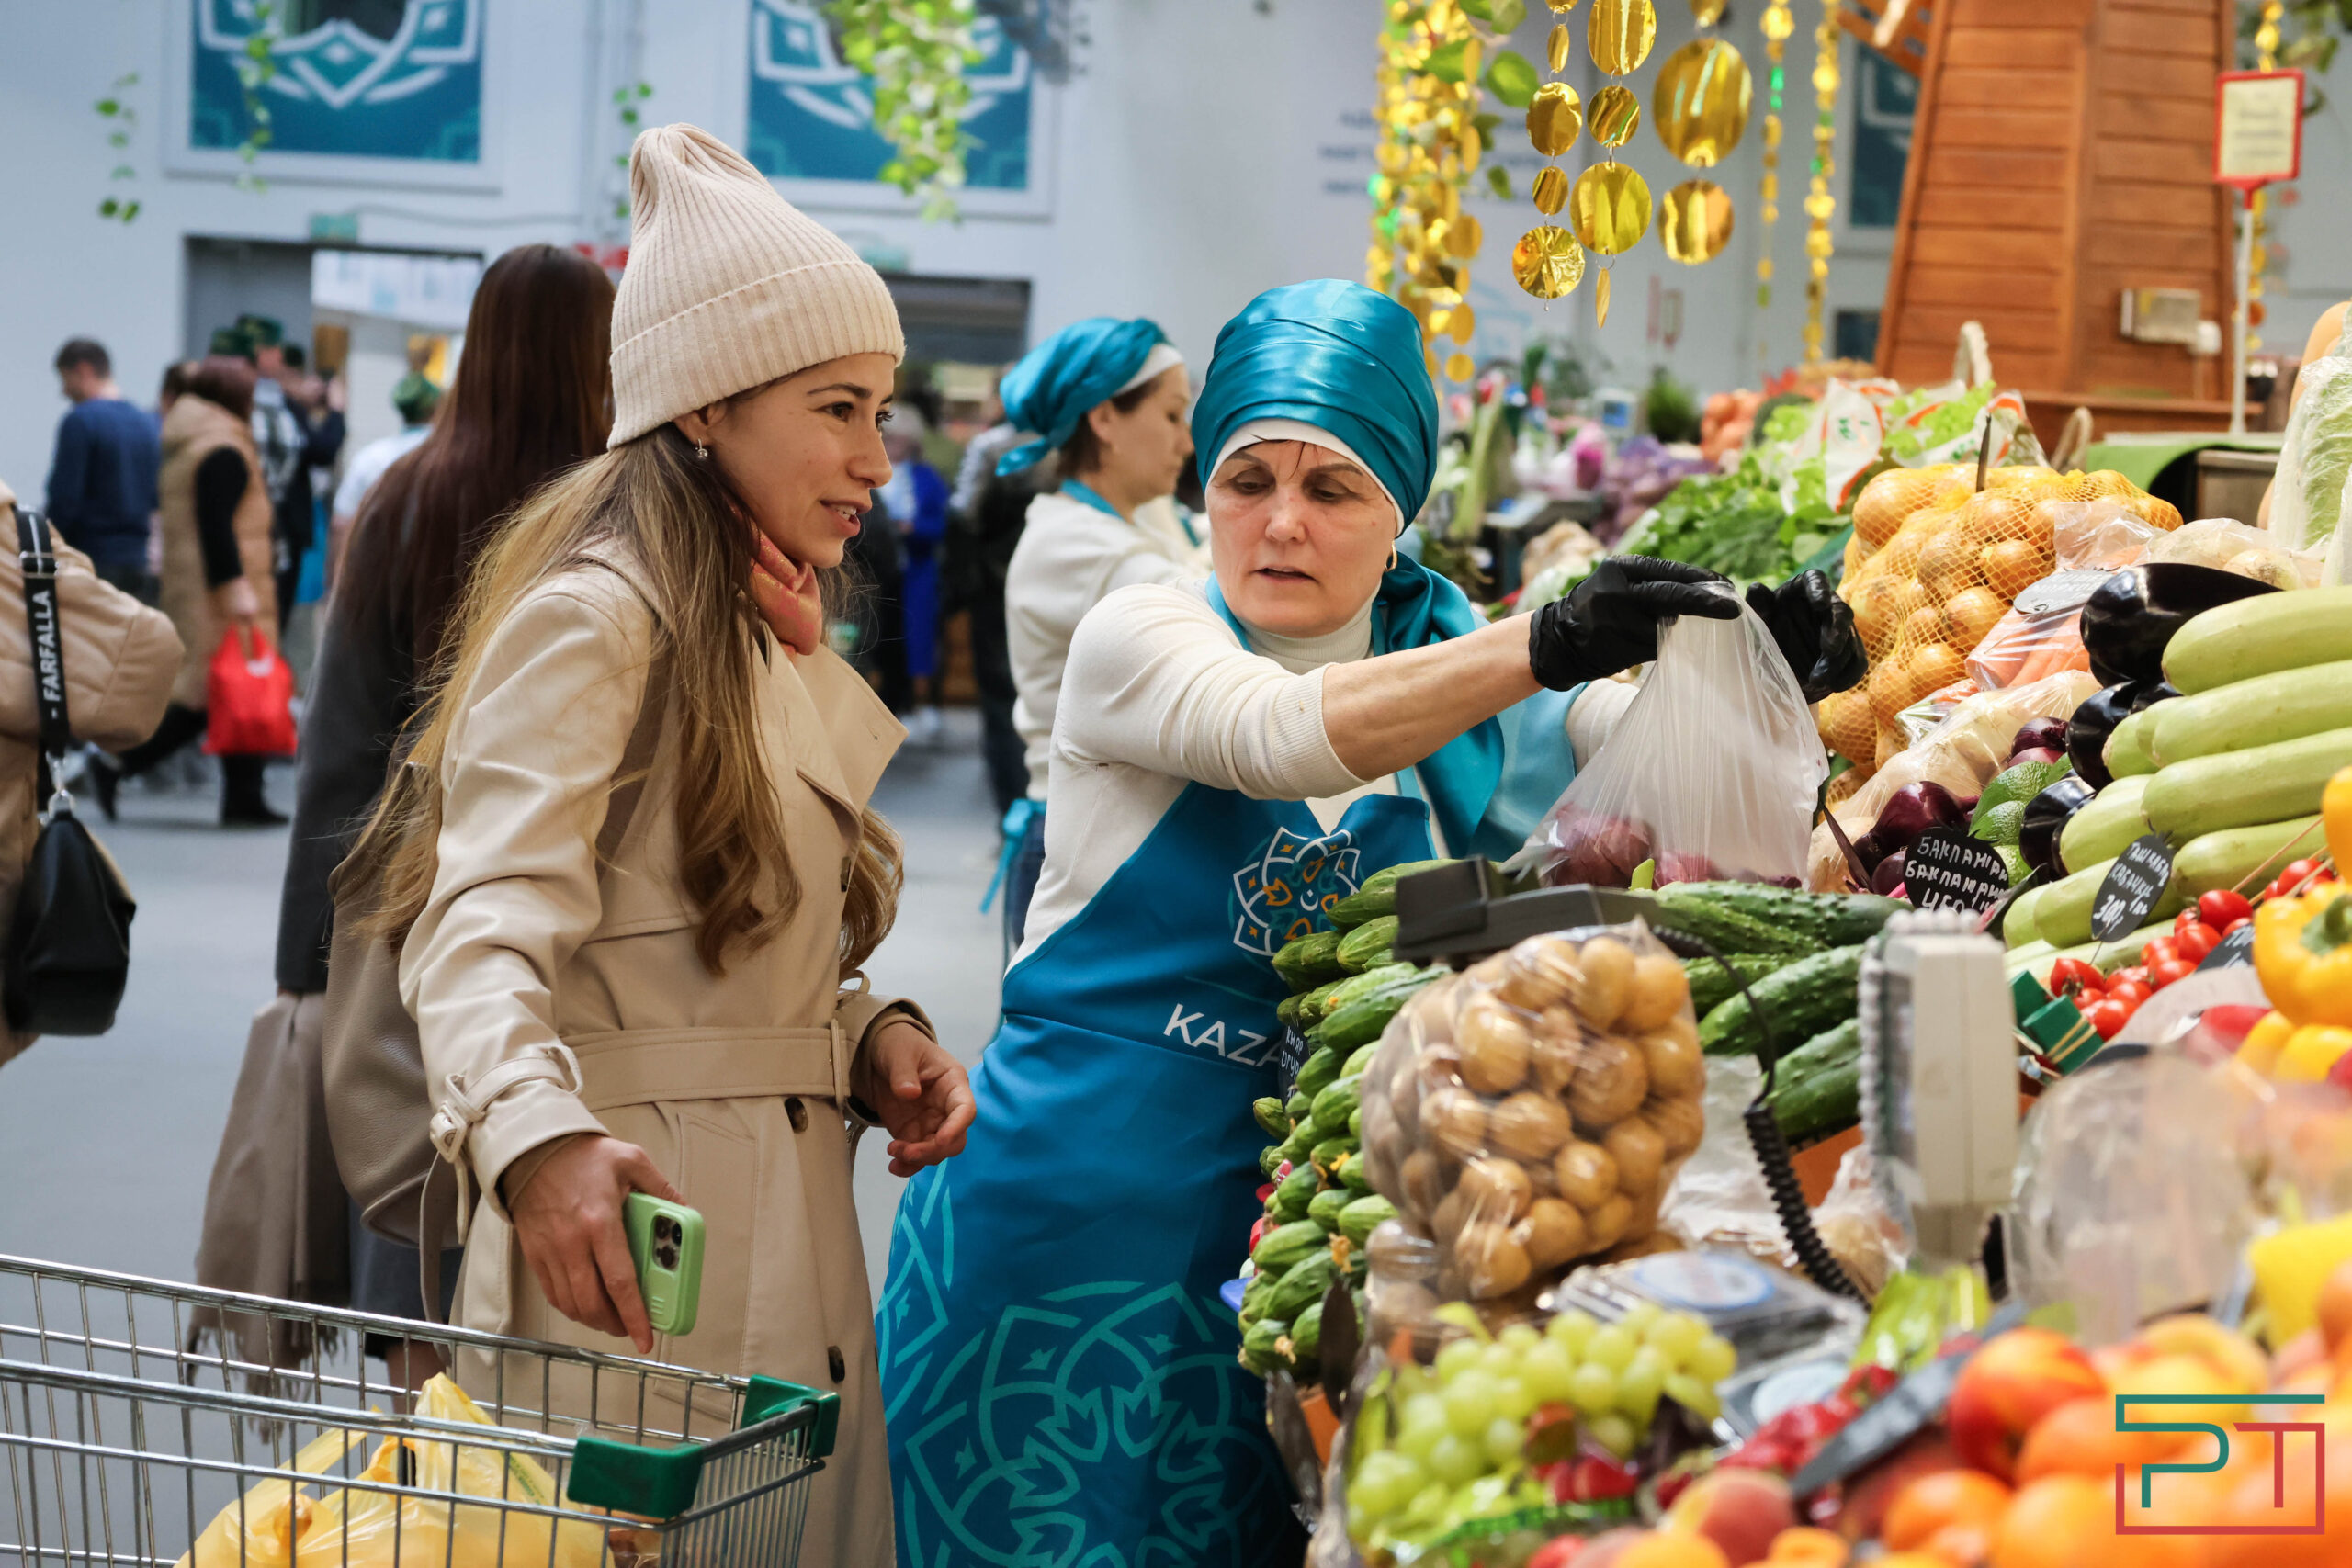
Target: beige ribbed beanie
(728, 286)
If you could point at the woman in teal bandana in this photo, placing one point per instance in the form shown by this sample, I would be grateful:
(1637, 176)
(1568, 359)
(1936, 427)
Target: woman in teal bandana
(1059, 1373)
(1106, 401)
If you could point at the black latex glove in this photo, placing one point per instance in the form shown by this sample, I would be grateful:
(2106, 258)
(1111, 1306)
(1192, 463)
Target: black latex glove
(1816, 631)
(1608, 622)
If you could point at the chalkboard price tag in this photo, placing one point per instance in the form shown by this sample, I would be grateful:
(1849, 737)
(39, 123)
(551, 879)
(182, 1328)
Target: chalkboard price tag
(1947, 869)
(2132, 888)
(2235, 948)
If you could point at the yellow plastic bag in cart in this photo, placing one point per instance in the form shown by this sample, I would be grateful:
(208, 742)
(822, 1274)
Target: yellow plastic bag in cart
(356, 1528)
(259, 1529)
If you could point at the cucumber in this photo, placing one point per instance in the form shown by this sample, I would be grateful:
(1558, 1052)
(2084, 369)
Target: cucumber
(1324, 1209)
(1293, 1148)
(1367, 945)
(1286, 1246)
(1270, 1160)
(1290, 1200)
(2126, 755)
(1334, 1105)
(1306, 1336)
(1309, 961)
(2260, 636)
(1355, 1125)
(1377, 896)
(1299, 1107)
(1320, 1072)
(2102, 829)
(1286, 1009)
(2017, 926)
(1357, 986)
(1798, 1001)
(1302, 1286)
(1828, 920)
(2260, 712)
(1328, 1155)
(1817, 1089)
(1260, 1342)
(1354, 1178)
(2244, 859)
(1353, 1025)
(1253, 1297)
(2062, 916)
(1359, 1060)
(1702, 914)
(1711, 982)
(1272, 1118)
(1317, 1003)
(2244, 789)
(1358, 1220)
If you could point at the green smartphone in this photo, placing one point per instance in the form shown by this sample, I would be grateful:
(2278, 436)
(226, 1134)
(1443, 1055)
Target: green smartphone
(665, 1242)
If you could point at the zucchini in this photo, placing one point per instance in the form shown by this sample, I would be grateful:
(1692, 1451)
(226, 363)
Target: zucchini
(1727, 930)
(1817, 1087)
(1320, 1072)
(2017, 926)
(1286, 1246)
(1325, 1208)
(1367, 945)
(1355, 1025)
(1302, 1286)
(2106, 827)
(1711, 982)
(1359, 1219)
(1827, 920)
(2126, 753)
(1258, 1345)
(2260, 712)
(2244, 789)
(1272, 1119)
(1798, 1001)
(1309, 961)
(1290, 1200)
(1333, 1106)
(2260, 636)
(2062, 916)
(2243, 859)
(1377, 895)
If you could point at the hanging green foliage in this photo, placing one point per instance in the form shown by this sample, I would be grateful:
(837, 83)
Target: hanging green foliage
(255, 66)
(122, 119)
(916, 52)
(624, 102)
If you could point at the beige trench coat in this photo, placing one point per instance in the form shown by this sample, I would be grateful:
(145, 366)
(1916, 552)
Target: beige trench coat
(192, 430)
(736, 1085)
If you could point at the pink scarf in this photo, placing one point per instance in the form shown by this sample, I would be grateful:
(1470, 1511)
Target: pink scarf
(785, 594)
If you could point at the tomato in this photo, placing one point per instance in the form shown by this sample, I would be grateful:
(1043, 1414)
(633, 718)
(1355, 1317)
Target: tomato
(1557, 1553)
(2197, 940)
(2161, 951)
(2072, 976)
(2165, 973)
(2297, 873)
(2130, 992)
(2230, 929)
(2221, 907)
(2109, 1017)
(2136, 974)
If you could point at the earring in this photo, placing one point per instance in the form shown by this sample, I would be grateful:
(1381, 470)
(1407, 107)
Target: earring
(702, 452)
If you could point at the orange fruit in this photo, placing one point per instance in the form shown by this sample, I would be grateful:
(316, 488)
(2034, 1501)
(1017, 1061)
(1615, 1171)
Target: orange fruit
(1674, 1551)
(2336, 1305)
(1947, 1497)
(2068, 1521)
(1804, 1546)
(2079, 1438)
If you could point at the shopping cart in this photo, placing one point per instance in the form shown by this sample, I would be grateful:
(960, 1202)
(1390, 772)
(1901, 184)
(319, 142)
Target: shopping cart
(133, 1413)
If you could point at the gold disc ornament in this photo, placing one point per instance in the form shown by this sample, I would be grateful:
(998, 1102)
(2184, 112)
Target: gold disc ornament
(1460, 368)
(1609, 209)
(1551, 190)
(1694, 220)
(1707, 13)
(1547, 261)
(1600, 298)
(1554, 117)
(1557, 50)
(1700, 104)
(1620, 33)
(1614, 114)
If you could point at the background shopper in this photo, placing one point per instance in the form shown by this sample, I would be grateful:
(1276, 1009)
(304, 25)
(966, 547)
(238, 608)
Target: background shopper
(102, 480)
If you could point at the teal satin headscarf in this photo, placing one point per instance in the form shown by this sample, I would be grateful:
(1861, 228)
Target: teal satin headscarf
(1337, 357)
(1079, 367)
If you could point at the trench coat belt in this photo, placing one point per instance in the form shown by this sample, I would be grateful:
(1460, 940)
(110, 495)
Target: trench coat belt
(643, 1066)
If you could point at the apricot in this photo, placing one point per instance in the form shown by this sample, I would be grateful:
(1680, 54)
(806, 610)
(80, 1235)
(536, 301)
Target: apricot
(1947, 1497)
(1674, 1550)
(2007, 1387)
(2237, 1358)
(2068, 1521)
(2336, 1305)
(1741, 1511)
(2079, 1437)
(1804, 1546)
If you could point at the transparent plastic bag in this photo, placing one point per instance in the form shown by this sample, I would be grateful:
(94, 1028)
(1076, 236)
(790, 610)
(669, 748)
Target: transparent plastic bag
(2229, 545)
(1712, 772)
(2316, 458)
(1531, 1114)
(2040, 633)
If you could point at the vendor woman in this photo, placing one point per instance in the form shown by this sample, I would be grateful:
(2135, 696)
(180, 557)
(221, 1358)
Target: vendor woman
(1107, 399)
(1059, 1372)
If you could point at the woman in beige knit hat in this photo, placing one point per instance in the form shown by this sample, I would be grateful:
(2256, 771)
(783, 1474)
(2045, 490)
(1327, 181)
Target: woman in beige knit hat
(638, 883)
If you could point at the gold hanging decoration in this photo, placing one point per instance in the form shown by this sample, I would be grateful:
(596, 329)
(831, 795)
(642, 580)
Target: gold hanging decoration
(1554, 117)
(1699, 103)
(1557, 51)
(1613, 115)
(1777, 26)
(1820, 203)
(1609, 207)
(1547, 261)
(1422, 241)
(2257, 206)
(1694, 221)
(1600, 299)
(1620, 33)
(1551, 190)
(1707, 13)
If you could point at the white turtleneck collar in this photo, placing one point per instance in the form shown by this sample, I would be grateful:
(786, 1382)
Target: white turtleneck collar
(1304, 654)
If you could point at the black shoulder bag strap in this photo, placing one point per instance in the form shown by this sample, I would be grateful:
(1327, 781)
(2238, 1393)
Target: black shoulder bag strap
(37, 556)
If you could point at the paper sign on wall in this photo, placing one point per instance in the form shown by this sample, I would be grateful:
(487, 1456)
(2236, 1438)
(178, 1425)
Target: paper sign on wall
(2257, 126)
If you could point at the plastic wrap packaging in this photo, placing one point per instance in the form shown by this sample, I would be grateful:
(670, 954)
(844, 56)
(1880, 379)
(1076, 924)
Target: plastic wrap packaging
(1526, 1115)
(2040, 634)
(2230, 546)
(1963, 755)
(2316, 459)
(2130, 1199)
(1712, 772)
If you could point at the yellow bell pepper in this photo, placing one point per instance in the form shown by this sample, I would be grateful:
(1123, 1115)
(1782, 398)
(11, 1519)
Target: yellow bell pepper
(2336, 812)
(2310, 1051)
(2265, 1041)
(2302, 950)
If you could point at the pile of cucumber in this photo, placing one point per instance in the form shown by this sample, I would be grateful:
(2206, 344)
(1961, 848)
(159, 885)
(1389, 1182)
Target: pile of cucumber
(1322, 1210)
(2230, 771)
(1800, 957)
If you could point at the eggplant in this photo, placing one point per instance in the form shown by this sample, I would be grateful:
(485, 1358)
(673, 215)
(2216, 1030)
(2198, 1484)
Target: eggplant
(2149, 696)
(1889, 875)
(2087, 730)
(2048, 734)
(2130, 617)
(2045, 817)
(1912, 811)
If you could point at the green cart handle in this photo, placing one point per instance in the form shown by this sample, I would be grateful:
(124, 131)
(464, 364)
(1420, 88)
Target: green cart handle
(660, 1482)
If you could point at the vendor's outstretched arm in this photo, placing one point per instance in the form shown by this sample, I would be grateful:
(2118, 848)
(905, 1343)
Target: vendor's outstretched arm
(1386, 714)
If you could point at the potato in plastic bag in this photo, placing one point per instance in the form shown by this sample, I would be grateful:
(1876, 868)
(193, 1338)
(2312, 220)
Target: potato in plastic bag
(1527, 1114)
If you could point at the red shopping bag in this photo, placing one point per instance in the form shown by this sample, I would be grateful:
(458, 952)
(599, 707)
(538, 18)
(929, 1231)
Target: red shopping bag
(249, 700)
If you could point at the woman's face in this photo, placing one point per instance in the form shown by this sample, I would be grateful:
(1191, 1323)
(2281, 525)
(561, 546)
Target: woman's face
(805, 453)
(1299, 535)
(1145, 447)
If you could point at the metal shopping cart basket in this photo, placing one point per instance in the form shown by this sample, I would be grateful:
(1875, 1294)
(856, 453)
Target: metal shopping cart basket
(133, 1413)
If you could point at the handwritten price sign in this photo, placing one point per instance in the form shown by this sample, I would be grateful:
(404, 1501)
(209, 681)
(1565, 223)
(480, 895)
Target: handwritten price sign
(2132, 888)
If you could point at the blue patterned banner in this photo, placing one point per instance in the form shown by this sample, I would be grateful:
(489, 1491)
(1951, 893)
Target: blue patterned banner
(813, 117)
(353, 78)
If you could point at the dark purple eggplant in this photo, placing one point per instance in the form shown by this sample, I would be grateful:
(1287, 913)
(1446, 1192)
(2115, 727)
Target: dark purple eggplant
(2045, 817)
(2087, 730)
(1889, 875)
(2148, 696)
(2042, 733)
(2131, 616)
(1912, 811)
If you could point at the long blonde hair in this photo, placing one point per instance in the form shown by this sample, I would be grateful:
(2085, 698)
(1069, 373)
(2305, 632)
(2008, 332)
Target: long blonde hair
(679, 530)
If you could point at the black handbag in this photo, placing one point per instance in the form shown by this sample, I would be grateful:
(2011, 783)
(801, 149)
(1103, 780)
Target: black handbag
(69, 944)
